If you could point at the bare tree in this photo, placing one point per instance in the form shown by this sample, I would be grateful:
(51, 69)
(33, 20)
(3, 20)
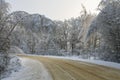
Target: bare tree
(107, 24)
(4, 41)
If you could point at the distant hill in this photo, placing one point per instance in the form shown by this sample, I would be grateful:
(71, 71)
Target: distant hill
(30, 33)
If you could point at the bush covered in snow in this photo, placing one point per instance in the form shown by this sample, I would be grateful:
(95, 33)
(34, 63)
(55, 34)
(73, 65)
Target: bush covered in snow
(12, 65)
(4, 60)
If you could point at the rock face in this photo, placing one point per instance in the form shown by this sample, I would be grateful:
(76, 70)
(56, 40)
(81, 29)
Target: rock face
(32, 33)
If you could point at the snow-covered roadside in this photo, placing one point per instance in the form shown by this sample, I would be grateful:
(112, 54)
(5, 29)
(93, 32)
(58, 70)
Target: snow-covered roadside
(31, 70)
(13, 66)
(99, 62)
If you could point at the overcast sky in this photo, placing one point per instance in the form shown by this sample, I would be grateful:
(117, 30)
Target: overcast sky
(54, 9)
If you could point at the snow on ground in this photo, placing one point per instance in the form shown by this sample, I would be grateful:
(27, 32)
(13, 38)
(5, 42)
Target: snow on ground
(13, 66)
(31, 70)
(99, 62)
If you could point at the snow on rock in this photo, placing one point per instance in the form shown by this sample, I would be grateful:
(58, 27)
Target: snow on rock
(31, 70)
(99, 62)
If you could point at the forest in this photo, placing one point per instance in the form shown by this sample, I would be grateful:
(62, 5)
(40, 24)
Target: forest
(88, 35)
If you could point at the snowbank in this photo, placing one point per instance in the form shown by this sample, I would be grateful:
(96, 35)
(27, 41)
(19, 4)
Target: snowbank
(31, 70)
(15, 50)
(13, 66)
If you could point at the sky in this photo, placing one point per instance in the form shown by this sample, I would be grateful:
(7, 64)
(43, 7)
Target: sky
(54, 9)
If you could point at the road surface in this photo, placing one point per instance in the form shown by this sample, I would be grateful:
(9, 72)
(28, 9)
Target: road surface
(61, 69)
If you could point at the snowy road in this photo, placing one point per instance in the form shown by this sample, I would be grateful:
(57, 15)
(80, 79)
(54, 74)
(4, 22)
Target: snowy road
(61, 69)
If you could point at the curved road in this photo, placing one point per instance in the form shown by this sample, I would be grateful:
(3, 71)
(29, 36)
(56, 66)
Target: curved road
(61, 69)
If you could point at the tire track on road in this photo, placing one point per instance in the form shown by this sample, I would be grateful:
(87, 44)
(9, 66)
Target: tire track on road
(61, 69)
